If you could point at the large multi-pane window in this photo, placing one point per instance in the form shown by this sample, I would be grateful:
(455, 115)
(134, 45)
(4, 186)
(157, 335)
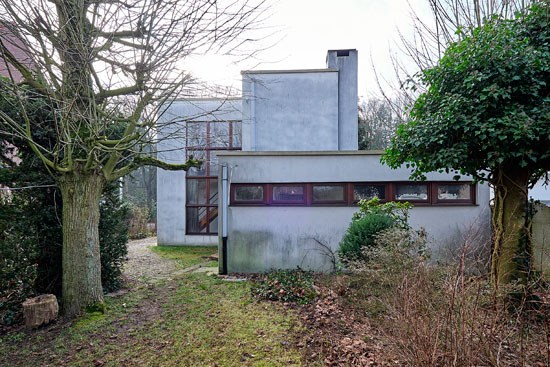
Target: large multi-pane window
(204, 140)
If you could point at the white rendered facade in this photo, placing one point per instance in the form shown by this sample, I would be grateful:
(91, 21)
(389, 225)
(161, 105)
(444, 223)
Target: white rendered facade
(293, 137)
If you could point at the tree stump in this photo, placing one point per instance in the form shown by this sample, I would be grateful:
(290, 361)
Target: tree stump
(40, 310)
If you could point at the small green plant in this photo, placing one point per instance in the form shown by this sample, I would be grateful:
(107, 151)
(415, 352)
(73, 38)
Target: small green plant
(286, 286)
(371, 219)
(399, 212)
(14, 337)
(96, 308)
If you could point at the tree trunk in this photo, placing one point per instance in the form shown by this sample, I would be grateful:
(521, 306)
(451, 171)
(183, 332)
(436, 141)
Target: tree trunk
(512, 253)
(148, 184)
(81, 193)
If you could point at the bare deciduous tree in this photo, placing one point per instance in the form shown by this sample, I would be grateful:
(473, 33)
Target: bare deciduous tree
(421, 45)
(107, 69)
(378, 120)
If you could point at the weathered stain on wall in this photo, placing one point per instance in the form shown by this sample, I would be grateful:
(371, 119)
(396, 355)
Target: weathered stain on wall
(540, 230)
(261, 238)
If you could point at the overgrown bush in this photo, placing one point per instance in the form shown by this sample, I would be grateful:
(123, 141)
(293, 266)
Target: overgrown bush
(366, 223)
(438, 315)
(361, 234)
(113, 237)
(286, 286)
(31, 245)
(17, 274)
(395, 249)
(441, 317)
(399, 212)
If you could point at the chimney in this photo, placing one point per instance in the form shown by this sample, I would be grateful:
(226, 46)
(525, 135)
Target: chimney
(346, 63)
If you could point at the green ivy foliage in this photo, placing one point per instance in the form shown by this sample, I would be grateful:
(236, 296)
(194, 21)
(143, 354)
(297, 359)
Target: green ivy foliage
(487, 104)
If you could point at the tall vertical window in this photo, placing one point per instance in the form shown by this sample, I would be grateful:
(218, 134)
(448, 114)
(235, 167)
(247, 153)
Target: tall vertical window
(203, 141)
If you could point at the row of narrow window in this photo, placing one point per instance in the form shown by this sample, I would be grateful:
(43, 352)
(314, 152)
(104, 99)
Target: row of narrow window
(425, 193)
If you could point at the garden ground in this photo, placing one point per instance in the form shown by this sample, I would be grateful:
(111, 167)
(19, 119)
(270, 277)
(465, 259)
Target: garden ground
(175, 311)
(166, 317)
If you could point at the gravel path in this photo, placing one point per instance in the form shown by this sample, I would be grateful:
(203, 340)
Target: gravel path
(143, 264)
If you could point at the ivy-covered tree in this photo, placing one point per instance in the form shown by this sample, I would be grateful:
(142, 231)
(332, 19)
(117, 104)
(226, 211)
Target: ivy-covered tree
(486, 113)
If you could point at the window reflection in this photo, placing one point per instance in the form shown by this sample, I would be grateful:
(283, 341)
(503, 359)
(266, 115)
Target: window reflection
(249, 193)
(368, 192)
(288, 193)
(411, 192)
(328, 193)
(453, 192)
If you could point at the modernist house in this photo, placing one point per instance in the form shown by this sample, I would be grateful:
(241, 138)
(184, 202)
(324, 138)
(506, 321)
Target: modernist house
(283, 175)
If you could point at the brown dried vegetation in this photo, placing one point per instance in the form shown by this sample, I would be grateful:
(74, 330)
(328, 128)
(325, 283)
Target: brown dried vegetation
(400, 309)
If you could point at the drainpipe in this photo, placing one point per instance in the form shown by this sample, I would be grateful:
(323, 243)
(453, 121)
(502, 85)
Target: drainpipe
(224, 201)
(253, 114)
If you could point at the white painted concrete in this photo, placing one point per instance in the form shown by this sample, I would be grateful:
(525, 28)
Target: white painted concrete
(171, 191)
(290, 110)
(293, 110)
(346, 62)
(261, 238)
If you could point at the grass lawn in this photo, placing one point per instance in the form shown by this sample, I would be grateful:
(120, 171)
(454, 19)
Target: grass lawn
(185, 255)
(191, 320)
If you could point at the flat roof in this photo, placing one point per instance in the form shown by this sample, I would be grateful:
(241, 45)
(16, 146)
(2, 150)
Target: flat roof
(240, 153)
(342, 49)
(195, 99)
(295, 71)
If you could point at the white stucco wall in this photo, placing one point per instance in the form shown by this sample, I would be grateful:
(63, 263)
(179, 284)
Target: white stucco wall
(171, 192)
(262, 237)
(346, 62)
(290, 110)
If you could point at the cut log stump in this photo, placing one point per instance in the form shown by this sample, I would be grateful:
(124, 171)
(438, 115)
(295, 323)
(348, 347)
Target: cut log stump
(40, 310)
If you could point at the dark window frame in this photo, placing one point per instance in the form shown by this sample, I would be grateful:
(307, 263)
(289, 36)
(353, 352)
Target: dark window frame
(345, 195)
(207, 148)
(349, 200)
(388, 191)
(443, 202)
(272, 201)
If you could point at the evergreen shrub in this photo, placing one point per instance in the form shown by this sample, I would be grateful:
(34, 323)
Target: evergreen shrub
(31, 245)
(362, 233)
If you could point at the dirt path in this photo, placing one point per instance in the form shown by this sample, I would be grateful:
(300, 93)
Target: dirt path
(144, 265)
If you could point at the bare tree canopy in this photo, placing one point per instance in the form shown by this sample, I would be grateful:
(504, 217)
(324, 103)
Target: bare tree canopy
(103, 62)
(422, 43)
(105, 69)
(378, 122)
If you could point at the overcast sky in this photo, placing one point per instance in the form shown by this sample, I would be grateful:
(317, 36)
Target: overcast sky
(306, 29)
